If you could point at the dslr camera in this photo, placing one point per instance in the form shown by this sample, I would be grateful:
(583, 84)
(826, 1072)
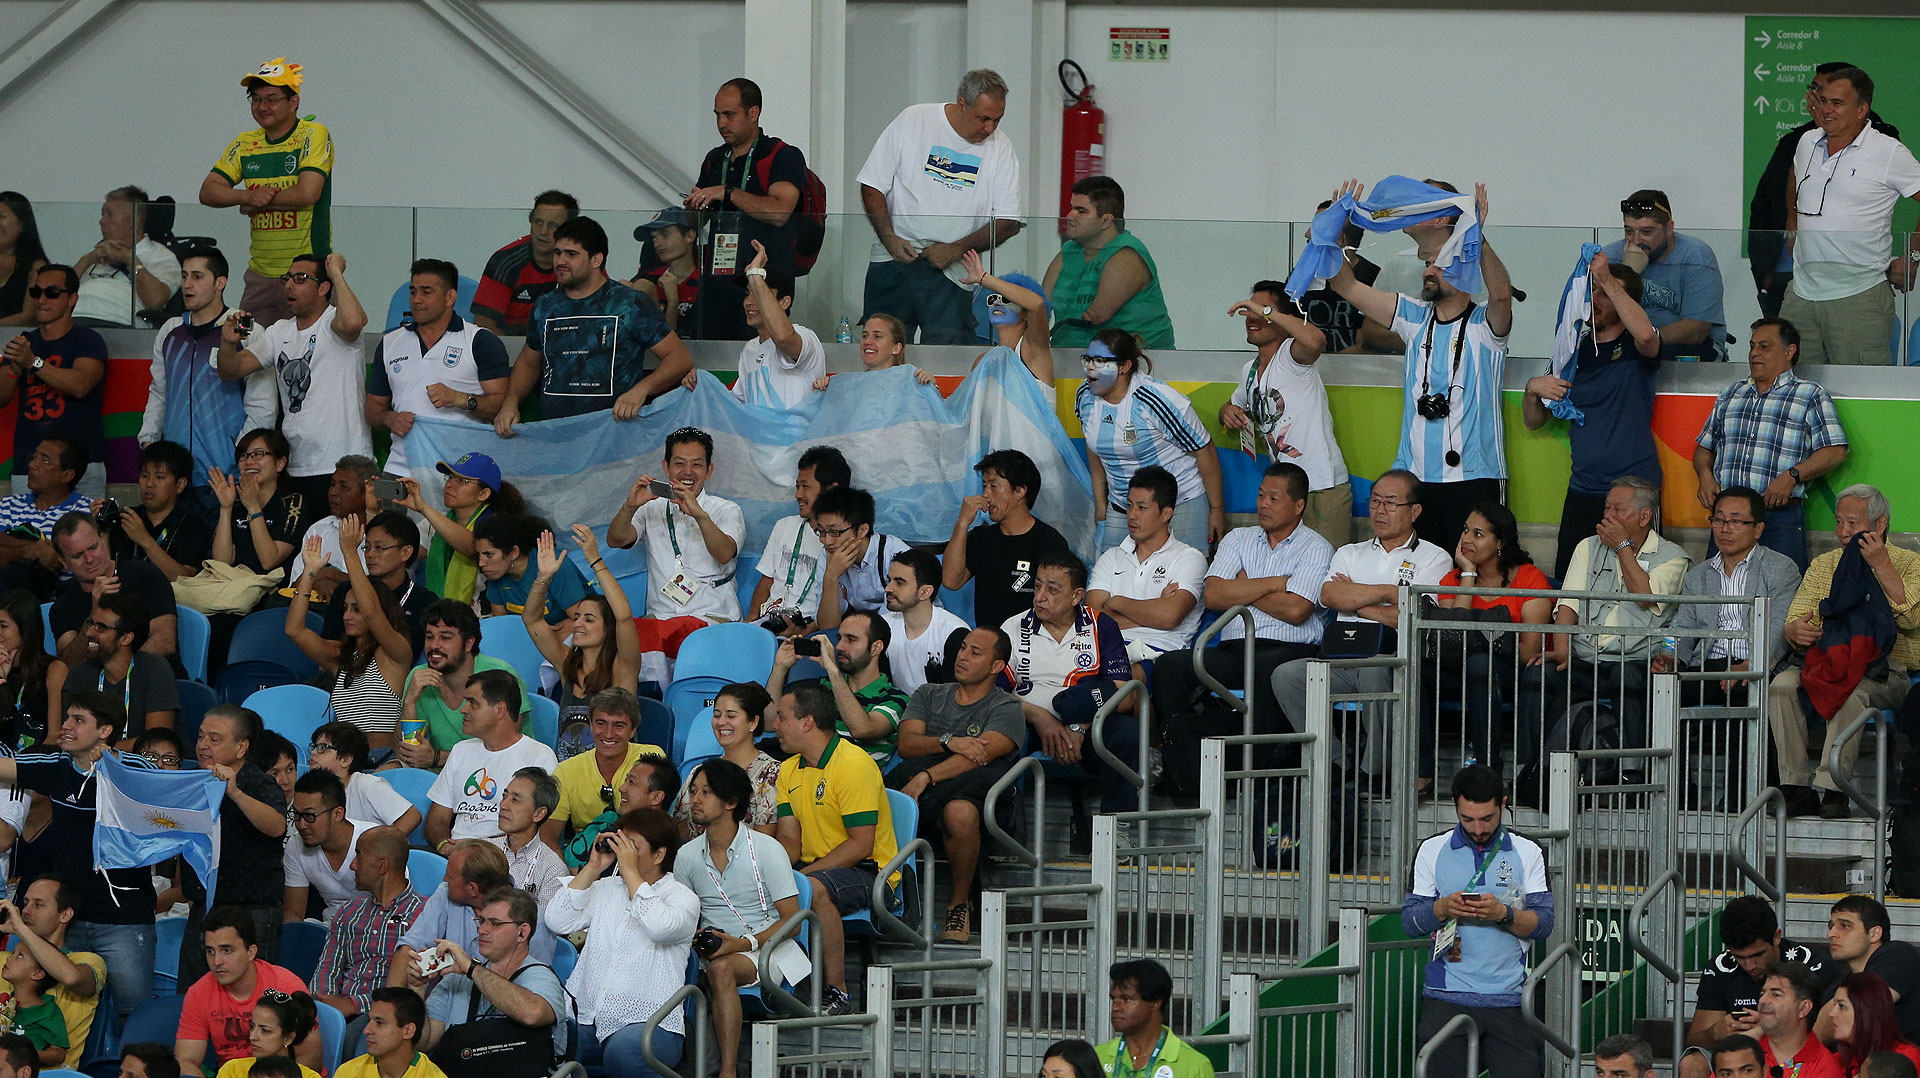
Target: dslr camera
(109, 515)
(706, 942)
(1433, 406)
(781, 618)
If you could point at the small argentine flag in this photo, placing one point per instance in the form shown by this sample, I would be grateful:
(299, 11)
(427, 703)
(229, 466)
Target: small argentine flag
(144, 816)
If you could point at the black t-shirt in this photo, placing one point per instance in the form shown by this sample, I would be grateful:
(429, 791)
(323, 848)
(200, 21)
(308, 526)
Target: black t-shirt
(1898, 964)
(414, 599)
(115, 896)
(44, 410)
(1002, 568)
(252, 864)
(1327, 311)
(287, 516)
(186, 536)
(783, 163)
(138, 578)
(1724, 986)
(149, 687)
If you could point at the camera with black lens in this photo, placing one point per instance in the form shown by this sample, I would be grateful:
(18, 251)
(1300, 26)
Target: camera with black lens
(109, 515)
(781, 619)
(603, 844)
(1433, 406)
(706, 942)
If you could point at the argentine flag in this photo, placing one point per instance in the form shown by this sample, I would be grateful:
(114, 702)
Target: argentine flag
(1394, 203)
(1575, 322)
(144, 816)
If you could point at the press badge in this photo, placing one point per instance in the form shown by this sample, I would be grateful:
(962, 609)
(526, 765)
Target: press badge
(726, 252)
(680, 590)
(1446, 942)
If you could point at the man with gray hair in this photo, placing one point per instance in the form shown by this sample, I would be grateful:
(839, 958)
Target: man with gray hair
(1622, 1055)
(1625, 556)
(1822, 637)
(126, 272)
(941, 180)
(346, 497)
(535, 866)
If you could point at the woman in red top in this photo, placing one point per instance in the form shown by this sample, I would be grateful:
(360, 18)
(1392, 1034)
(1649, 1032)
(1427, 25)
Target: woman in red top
(1488, 555)
(1863, 1023)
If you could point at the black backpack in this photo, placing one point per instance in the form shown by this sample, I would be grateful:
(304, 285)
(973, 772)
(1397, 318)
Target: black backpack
(1584, 725)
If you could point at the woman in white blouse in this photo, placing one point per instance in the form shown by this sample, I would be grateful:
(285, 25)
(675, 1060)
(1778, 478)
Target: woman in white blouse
(640, 922)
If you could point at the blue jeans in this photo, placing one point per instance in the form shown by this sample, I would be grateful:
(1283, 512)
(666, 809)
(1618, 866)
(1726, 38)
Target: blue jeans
(128, 952)
(621, 1052)
(1786, 532)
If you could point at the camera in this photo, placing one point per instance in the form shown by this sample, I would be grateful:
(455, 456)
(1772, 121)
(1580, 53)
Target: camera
(603, 844)
(807, 646)
(109, 515)
(706, 942)
(1433, 406)
(243, 323)
(782, 619)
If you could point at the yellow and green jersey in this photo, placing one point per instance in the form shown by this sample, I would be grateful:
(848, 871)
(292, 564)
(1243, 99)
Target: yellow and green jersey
(254, 160)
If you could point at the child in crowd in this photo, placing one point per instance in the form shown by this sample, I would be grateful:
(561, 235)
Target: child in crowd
(31, 1011)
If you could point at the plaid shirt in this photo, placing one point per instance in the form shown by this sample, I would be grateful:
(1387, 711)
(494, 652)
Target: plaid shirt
(1756, 436)
(360, 941)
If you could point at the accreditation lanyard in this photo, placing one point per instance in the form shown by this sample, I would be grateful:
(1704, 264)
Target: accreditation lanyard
(674, 538)
(793, 566)
(126, 687)
(759, 885)
(1126, 1057)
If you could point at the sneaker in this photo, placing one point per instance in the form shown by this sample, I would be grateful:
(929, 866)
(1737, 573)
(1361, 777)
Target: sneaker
(959, 924)
(835, 1002)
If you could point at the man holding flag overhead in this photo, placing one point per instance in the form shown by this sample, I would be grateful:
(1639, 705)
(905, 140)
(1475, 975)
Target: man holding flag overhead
(1450, 430)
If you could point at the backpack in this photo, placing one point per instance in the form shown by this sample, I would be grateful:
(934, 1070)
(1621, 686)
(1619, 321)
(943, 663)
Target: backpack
(809, 220)
(1584, 725)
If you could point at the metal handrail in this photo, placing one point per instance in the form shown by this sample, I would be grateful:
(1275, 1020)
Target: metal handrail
(771, 989)
(670, 1007)
(1667, 879)
(1459, 1024)
(1143, 710)
(989, 814)
(1771, 888)
(1554, 957)
(890, 926)
(1243, 705)
(1876, 808)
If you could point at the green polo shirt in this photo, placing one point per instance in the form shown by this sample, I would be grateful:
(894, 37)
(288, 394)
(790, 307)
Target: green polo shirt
(443, 722)
(1177, 1059)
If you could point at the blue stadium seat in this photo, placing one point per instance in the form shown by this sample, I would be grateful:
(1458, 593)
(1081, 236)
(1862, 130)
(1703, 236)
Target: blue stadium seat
(167, 933)
(691, 701)
(546, 720)
(195, 699)
(195, 636)
(959, 601)
(1240, 474)
(734, 651)
(746, 577)
(426, 870)
(1362, 490)
(46, 625)
(292, 711)
(412, 783)
(565, 957)
(262, 635)
(102, 1049)
(1913, 345)
(504, 637)
(656, 723)
(750, 999)
(300, 945)
(906, 826)
(333, 1030)
(701, 743)
(156, 1021)
(398, 305)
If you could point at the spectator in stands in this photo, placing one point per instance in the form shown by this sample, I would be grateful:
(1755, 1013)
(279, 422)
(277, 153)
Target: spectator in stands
(280, 759)
(137, 1061)
(956, 741)
(867, 704)
(857, 555)
(24, 700)
(128, 271)
(930, 201)
(475, 869)
(396, 1018)
(318, 367)
(449, 658)
(1861, 519)
(391, 546)
(32, 1011)
(438, 365)
(1623, 1055)
(58, 372)
(1323, 309)
(368, 666)
(217, 1017)
(588, 780)
(286, 167)
(1140, 993)
(162, 747)
(1402, 271)
(834, 823)
(792, 563)
(1001, 552)
(535, 866)
(1862, 1022)
(922, 636)
(640, 922)
(693, 537)
(1845, 270)
(1625, 556)
(25, 254)
(653, 782)
(1786, 1011)
(1730, 986)
(322, 860)
(85, 554)
(27, 559)
(1885, 1064)
(111, 639)
(1681, 289)
(346, 499)
(473, 490)
(1481, 892)
(279, 1022)
(1739, 568)
(1740, 1056)
(883, 344)
(739, 713)
(1281, 408)
(1860, 940)
(600, 648)
(253, 831)
(672, 277)
(516, 986)
(1362, 590)
(578, 368)
(260, 517)
(1456, 349)
(340, 749)
(504, 549)
(168, 529)
(1613, 369)
(741, 905)
(1773, 432)
(1133, 420)
(1275, 568)
(1018, 319)
(779, 365)
(749, 187)
(74, 979)
(518, 274)
(466, 797)
(1103, 277)
(207, 412)
(1071, 1058)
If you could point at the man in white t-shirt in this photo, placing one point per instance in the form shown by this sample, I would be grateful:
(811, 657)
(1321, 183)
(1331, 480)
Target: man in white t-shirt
(434, 364)
(941, 180)
(319, 369)
(126, 272)
(1279, 404)
(926, 636)
(777, 367)
(1150, 584)
(794, 562)
(1847, 177)
(465, 798)
(320, 846)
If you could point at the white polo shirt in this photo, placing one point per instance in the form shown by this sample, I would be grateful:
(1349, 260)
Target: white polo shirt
(1120, 572)
(769, 378)
(1844, 211)
(675, 549)
(908, 656)
(1371, 562)
(794, 560)
(328, 529)
(465, 356)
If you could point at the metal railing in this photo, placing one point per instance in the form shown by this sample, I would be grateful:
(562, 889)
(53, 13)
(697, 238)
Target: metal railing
(1160, 895)
(1460, 1025)
(1840, 765)
(1133, 774)
(1240, 701)
(938, 1028)
(918, 890)
(1034, 856)
(1750, 823)
(773, 1060)
(1243, 1006)
(1046, 974)
(1270, 830)
(775, 993)
(696, 1029)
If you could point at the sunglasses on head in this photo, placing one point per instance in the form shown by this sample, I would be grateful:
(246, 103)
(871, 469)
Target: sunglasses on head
(50, 292)
(1640, 208)
(606, 793)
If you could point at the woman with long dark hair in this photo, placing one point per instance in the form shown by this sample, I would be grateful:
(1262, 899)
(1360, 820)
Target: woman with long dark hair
(24, 673)
(605, 648)
(21, 256)
(1131, 420)
(369, 666)
(1864, 1023)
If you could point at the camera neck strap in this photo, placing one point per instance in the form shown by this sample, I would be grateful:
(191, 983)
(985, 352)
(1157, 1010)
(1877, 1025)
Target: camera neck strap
(1459, 345)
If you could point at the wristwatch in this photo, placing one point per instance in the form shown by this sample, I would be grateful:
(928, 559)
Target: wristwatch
(1793, 471)
(1267, 313)
(1077, 727)
(944, 739)
(473, 402)
(753, 943)
(38, 362)
(1507, 920)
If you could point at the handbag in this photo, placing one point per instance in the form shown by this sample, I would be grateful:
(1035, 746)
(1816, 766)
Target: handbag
(495, 1046)
(1467, 640)
(1357, 640)
(220, 588)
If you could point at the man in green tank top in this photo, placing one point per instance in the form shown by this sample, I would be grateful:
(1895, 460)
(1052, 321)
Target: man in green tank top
(1103, 276)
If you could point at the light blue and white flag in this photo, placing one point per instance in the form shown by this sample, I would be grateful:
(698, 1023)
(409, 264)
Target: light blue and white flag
(1393, 204)
(913, 450)
(145, 815)
(1575, 322)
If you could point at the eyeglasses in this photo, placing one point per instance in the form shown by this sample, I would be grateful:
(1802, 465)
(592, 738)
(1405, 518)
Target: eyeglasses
(309, 817)
(277, 996)
(95, 624)
(606, 793)
(1634, 207)
(256, 454)
(1377, 502)
(384, 548)
(268, 99)
(498, 922)
(319, 746)
(995, 299)
(832, 533)
(296, 278)
(54, 292)
(1800, 190)
(1731, 522)
(167, 758)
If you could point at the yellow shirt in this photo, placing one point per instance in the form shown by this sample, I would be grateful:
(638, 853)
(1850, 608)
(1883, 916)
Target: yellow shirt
(368, 1067)
(1818, 584)
(254, 160)
(843, 791)
(243, 1066)
(580, 783)
(75, 1008)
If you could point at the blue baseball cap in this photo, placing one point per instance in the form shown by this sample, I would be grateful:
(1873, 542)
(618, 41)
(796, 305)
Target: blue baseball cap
(671, 217)
(475, 466)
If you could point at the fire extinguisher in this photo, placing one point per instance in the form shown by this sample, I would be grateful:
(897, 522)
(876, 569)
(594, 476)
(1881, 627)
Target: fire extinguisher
(1083, 136)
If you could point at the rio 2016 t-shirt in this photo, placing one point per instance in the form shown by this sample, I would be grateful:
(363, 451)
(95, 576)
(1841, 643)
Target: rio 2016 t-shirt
(475, 778)
(592, 349)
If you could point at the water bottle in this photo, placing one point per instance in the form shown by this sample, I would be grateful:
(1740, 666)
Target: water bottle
(1663, 654)
(845, 336)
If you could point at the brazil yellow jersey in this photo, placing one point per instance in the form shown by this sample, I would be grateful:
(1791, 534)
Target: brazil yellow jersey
(842, 790)
(254, 160)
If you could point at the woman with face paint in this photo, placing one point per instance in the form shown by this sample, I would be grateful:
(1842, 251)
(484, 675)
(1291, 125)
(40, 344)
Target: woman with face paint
(1019, 313)
(1130, 420)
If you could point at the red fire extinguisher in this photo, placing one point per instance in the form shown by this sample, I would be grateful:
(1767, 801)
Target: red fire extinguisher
(1083, 136)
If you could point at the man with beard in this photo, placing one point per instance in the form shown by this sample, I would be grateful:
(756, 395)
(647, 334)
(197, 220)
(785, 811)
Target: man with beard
(450, 655)
(1786, 1010)
(114, 665)
(868, 703)
(1681, 287)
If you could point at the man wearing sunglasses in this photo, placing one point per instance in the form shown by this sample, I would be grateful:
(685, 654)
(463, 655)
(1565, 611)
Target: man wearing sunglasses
(57, 371)
(1680, 280)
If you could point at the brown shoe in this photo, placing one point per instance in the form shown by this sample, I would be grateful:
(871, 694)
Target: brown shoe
(959, 924)
(1834, 805)
(1801, 800)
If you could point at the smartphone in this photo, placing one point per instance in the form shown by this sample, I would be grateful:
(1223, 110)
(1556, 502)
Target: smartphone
(807, 646)
(1470, 896)
(661, 489)
(389, 491)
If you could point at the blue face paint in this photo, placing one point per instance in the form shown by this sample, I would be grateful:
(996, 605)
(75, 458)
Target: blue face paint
(1099, 350)
(1002, 314)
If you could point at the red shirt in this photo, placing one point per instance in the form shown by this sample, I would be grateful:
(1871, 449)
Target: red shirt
(1811, 1061)
(211, 1014)
(1527, 576)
